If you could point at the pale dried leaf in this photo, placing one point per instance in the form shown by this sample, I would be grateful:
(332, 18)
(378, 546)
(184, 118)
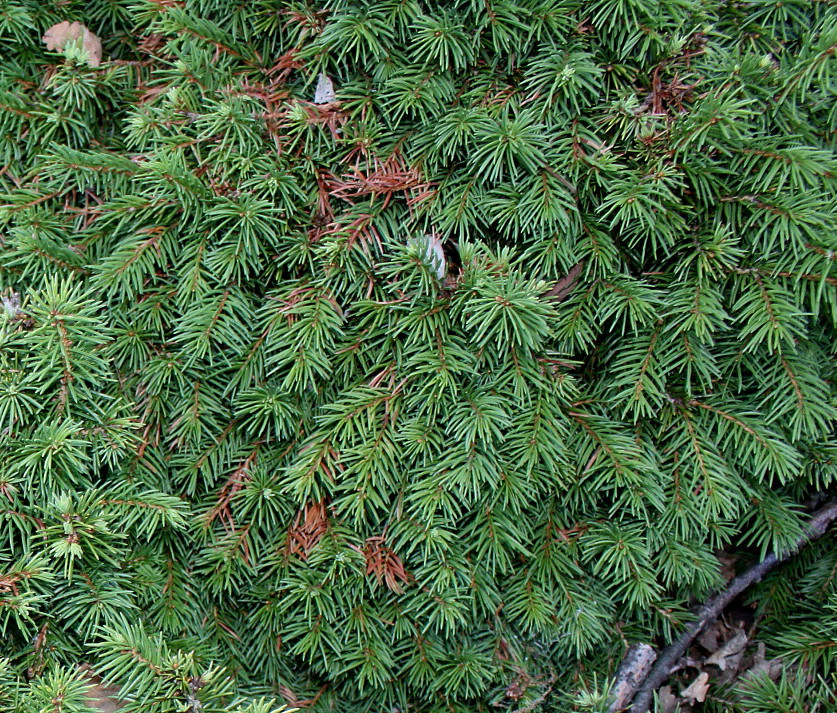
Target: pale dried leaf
(92, 46)
(100, 696)
(730, 653)
(758, 663)
(562, 289)
(759, 657)
(762, 665)
(696, 692)
(431, 252)
(11, 303)
(324, 92)
(668, 701)
(710, 637)
(59, 36)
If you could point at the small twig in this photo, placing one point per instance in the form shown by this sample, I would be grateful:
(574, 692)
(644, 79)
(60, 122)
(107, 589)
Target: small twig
(712, 609)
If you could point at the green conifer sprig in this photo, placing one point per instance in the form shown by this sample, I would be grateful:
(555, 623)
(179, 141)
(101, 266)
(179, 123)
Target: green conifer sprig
(259, 443)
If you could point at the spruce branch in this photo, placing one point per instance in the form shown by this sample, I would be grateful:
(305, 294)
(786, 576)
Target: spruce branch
(259, 425)
(712, 609)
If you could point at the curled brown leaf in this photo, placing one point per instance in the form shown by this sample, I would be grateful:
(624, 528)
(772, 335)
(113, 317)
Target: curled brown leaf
(60, 35)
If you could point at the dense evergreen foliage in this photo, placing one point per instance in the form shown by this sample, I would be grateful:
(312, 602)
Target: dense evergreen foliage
(428, 398)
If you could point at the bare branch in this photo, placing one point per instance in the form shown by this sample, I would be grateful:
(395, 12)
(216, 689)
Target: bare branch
(711, 610)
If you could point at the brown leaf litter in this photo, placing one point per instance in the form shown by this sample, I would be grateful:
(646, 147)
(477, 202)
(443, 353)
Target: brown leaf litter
(724, 653)
(59, 36)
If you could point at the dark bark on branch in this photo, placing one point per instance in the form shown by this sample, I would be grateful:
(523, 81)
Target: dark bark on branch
(712, 609)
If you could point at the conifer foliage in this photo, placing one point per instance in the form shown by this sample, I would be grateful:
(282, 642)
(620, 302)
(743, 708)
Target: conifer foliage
(405, 355)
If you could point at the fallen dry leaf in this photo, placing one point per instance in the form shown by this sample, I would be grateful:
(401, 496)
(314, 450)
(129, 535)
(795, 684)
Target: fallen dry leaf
(668, 701)
(432, 253)
(772, 667)
(11, 303)
(59, 36)
(696, 692)
(102, 698)
(99, 696)
(562, 289)
(709, 637)
(729, 654)
(324, 93)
